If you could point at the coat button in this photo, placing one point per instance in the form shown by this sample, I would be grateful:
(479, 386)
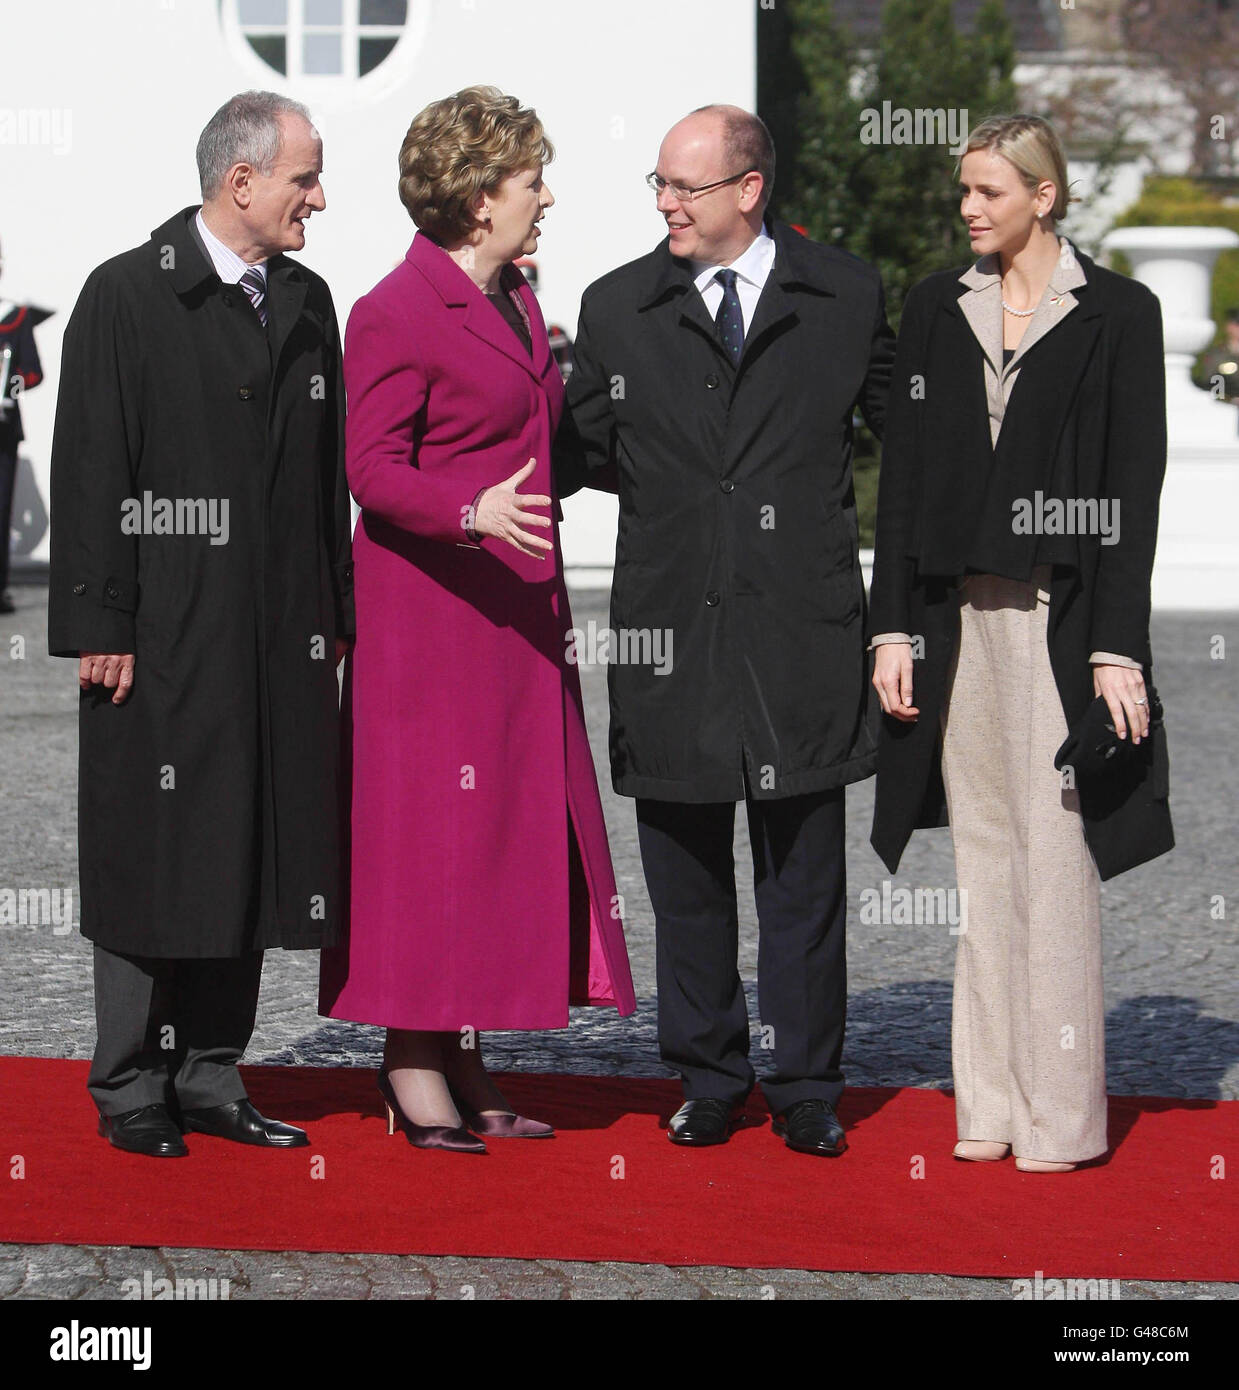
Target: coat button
(711, 382)
(726, 485)
(712, 598)
(348, 571)
(112, 591)
(79, 589)
(244, 393)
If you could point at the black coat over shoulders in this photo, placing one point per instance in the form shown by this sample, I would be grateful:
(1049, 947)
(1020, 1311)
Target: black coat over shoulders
(207, 806)
(737, 521)
(1086, 419)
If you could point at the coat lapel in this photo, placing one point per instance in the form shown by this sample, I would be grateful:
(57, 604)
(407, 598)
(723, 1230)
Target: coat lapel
(484, 321)
(775, 305)
(190, 266)
(1043, 393)
(792, 273)
(542, 358)
(1056, 304)
(693, 314)
(477, 316)
(983, 307)
(674, 293)
(286, 291)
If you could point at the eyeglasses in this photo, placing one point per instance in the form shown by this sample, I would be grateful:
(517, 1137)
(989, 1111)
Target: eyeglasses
(686, 195)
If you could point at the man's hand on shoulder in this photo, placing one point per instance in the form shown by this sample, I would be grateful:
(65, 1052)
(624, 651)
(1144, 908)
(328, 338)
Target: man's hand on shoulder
(113, 670)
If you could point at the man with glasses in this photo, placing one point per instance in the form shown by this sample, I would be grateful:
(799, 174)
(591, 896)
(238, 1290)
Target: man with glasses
(714, 386)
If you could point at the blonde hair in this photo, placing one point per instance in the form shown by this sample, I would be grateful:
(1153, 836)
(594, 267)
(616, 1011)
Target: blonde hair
(1032, 147)
(461, 146)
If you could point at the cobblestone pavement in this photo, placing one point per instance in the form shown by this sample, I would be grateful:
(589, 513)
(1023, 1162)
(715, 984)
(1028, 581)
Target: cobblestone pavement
(1172, 997)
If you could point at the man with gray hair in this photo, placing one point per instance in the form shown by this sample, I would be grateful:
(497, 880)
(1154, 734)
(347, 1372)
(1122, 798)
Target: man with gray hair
(201, 578)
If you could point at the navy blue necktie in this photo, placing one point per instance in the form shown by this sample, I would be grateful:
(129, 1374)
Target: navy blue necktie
(729, 321)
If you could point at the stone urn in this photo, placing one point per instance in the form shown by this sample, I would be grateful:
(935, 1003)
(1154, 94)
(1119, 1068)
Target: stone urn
(1197, 564)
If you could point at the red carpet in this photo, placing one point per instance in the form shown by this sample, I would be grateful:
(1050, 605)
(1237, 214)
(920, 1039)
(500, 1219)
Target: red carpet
(610, 1187)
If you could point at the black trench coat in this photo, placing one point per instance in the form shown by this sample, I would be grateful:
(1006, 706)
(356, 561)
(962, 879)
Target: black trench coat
(737, 522)
(1086, 419)
(207, 810)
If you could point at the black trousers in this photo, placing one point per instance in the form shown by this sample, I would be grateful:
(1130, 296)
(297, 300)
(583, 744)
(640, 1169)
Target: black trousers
(8, 475)
(800, 885)
(171, 1031)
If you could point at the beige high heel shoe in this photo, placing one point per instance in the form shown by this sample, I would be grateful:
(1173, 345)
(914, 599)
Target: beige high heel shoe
(981, 1150)
(1039, 1165)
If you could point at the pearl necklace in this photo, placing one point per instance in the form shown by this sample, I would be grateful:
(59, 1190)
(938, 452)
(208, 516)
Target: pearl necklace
(1019, 313)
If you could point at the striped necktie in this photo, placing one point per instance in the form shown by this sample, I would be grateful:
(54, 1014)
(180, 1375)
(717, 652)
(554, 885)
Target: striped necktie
(729, 321)
(256, 288)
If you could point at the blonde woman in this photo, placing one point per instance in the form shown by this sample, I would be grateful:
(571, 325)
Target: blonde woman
(1017, 517)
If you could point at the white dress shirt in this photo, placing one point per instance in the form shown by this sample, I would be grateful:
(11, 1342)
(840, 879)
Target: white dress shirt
(752, 267)
(228, 265)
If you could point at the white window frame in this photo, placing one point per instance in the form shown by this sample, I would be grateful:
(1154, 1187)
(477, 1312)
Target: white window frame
(390, 72)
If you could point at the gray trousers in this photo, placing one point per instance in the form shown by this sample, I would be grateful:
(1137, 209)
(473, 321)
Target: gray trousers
(171, 1031)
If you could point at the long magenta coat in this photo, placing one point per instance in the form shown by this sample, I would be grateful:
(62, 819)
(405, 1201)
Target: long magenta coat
(472, 785)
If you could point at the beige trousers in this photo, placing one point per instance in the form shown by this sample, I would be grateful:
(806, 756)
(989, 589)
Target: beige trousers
(1027, 1036)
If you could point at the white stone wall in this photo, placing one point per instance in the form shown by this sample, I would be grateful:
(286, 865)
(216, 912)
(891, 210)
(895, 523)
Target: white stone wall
(102, 102)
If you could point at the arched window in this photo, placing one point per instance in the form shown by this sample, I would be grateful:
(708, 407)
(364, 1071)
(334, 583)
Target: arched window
(320, 41)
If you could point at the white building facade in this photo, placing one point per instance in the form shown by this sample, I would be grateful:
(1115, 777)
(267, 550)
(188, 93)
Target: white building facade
(103, 102)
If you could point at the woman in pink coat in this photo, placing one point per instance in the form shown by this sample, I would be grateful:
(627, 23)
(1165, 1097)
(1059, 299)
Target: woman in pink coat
(482, 892)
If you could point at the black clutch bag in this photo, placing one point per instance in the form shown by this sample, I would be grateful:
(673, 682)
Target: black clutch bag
(1094, 749)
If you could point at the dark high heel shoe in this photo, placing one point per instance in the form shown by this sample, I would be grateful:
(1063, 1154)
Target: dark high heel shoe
(454, 1139)
(508, 1125)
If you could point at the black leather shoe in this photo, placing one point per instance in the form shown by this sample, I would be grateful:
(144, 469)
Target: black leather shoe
(239, 1121)
(148, 1130)
(701, 1122)
(811, 1127)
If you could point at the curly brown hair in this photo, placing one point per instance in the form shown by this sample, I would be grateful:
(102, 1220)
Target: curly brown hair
(461, 146)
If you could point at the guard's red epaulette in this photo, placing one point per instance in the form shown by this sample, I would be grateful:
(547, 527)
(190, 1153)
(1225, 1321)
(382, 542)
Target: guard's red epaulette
(7, 325)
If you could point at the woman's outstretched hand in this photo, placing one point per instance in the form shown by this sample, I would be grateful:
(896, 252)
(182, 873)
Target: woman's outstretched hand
(500, 513)
(892, 679)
